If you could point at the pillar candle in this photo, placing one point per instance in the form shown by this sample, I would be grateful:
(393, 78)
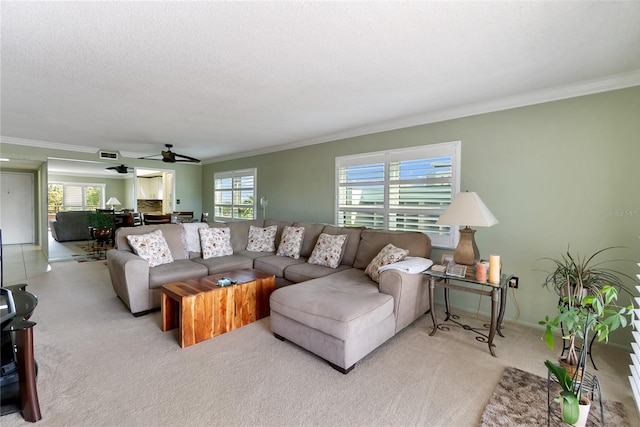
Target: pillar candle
(481, 272)
(494, 268)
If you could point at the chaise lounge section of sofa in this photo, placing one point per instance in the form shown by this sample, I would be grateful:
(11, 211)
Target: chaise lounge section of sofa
(341, 314)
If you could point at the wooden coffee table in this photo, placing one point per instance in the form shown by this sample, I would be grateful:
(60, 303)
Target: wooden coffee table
(203, 310)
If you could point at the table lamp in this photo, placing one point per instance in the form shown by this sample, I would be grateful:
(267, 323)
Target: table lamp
(467, 209)
(113, 201)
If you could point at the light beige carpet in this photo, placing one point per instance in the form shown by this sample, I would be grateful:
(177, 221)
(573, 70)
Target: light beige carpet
(100, 366)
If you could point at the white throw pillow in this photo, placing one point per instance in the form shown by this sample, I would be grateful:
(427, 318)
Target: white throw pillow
(215, 242)
(192, 236)
(389, 254)
(291, 242)
(328, 250)
(151, 247)
(262, 239)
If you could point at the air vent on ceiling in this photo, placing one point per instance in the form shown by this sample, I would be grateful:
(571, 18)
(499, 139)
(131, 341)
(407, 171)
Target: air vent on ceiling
(111, 155)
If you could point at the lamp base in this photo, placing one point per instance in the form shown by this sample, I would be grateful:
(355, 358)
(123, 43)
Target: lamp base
(466, 252)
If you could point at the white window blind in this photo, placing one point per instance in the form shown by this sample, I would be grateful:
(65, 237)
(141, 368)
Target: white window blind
(405, 189)
(235, 194)
(634, 378)
(72, 197)
(79, 197)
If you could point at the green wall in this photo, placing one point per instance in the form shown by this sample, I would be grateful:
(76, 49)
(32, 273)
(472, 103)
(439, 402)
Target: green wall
(554, 174)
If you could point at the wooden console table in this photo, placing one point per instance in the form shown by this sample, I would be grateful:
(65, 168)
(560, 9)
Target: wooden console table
(203, 310)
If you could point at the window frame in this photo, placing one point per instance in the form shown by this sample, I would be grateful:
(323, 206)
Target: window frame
(83, 186)
(442, 238)
(238, 173)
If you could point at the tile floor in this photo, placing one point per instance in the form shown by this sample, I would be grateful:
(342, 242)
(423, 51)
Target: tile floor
(20, 262)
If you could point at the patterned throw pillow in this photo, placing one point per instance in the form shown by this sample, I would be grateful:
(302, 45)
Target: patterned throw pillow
(328, 250)
(388, 255)
(262, 239)
(291, 242)
(215, 242)
(151, 247)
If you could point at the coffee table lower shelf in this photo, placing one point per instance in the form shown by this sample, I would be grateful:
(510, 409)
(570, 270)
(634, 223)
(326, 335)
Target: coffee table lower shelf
(203, 310)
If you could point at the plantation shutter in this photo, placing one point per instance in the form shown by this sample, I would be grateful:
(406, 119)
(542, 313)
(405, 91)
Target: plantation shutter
(72, 197)
(234, 194)
(404, 190)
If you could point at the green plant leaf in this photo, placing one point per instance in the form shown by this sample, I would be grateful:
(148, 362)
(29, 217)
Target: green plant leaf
(570, 408)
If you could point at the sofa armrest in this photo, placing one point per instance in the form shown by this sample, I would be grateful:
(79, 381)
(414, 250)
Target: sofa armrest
(130, 279)
(410, 294)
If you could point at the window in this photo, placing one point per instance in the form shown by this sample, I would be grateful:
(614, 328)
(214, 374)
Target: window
(75, 197)
(235, 195)
(405, 189)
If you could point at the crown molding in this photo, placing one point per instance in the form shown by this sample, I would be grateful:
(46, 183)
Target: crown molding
(48, 144)
(588, 87)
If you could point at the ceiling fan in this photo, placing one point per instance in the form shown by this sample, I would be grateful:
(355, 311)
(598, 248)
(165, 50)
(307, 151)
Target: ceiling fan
(169, 156)
(119, 169)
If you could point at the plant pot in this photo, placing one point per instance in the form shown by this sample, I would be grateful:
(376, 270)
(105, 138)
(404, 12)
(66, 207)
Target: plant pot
(571, 369)
(101, 233)
(583, 411)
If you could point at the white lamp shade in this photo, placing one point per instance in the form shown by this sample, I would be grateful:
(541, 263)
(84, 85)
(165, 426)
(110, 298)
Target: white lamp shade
(113, 201)
(467, 209)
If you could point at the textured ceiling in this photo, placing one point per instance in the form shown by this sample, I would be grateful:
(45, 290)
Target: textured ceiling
(221, 79)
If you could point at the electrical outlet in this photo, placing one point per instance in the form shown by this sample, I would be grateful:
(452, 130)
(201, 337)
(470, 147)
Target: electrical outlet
(513, 282)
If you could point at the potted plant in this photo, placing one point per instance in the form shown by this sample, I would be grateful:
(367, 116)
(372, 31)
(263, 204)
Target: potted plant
(100, 224)
(572, 278)
(570, 398)
(598, 313)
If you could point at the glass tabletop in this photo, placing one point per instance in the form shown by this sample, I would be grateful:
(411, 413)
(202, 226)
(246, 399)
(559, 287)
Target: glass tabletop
(467, 278)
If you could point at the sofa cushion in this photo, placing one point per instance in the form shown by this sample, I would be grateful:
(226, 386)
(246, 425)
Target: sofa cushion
(372, 241)
(262, 239)
(192, 237)
(280, 224)
(240, 232)
(224, 263)
(276, 265)
(151, 247)
(215, 242)
(311, 233)
(388, 255)
(353, 241)
(328, 250)
(173, 234)
(290, 242)
(302, 272)
(183, 269)
(341, 305)
(252, 255)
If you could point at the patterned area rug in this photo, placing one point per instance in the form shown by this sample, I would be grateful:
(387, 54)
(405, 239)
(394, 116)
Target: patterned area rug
(94, 251)
(520, 399)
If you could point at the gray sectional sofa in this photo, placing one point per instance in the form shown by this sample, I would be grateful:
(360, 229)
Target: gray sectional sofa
(340, 314)
(70, 226)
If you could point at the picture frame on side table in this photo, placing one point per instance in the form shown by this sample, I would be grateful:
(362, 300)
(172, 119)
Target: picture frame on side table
(446, 259)
(456, 270)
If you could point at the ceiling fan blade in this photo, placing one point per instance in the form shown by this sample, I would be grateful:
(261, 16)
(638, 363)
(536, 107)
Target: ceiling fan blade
(151, 157)
(186, 159)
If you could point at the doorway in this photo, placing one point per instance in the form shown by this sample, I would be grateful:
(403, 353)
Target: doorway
(17, 215)
(154, 191)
